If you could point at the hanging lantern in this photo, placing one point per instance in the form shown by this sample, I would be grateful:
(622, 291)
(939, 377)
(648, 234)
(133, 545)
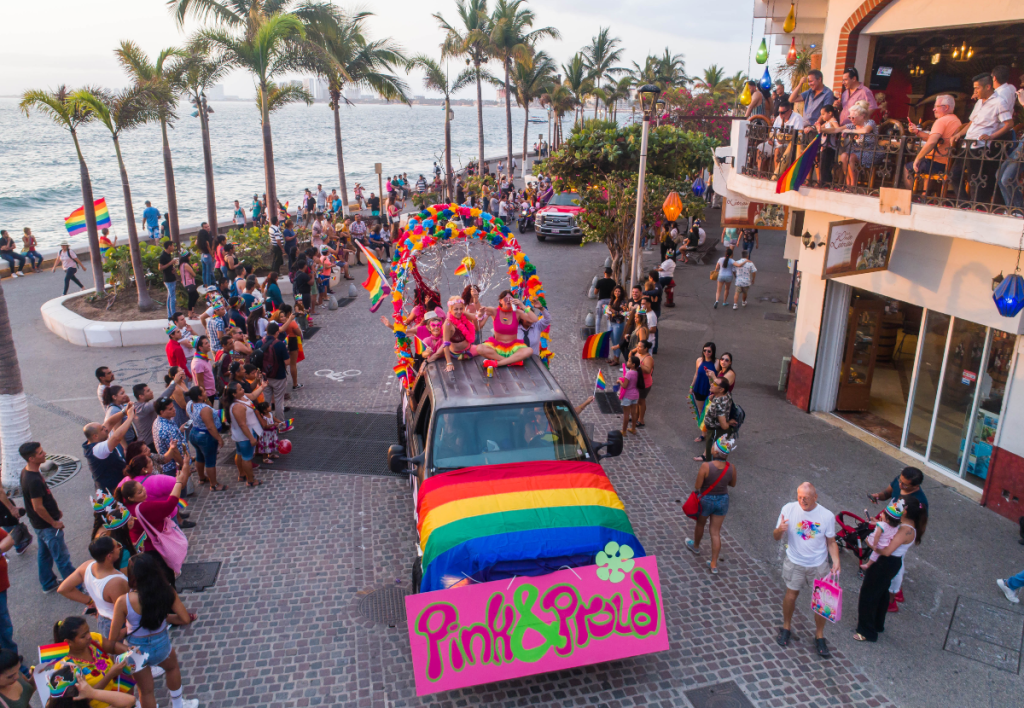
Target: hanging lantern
(762, 52)
(1009, 296)
(791, 55)
(790, 24)
(673, 206)
(745, 96)
(766, 80)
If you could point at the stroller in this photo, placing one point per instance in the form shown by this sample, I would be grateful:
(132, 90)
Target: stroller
(853, 533)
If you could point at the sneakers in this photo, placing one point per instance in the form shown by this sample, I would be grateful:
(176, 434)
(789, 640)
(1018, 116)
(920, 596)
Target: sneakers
(19, 551)
(692, 548)
(157, 671)
(893, 607)
(899, 596)
(1010, 594)
(189, 703)
(734, 307)
(744, 303)
(50, 591)
(716, 305)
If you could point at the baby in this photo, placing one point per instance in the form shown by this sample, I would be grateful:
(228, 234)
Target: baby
(885, 529)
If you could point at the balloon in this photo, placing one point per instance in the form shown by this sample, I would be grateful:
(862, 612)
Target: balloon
(284, 446)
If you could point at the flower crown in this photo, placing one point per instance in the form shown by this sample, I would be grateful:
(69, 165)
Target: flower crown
(101, 500)
(116, 517)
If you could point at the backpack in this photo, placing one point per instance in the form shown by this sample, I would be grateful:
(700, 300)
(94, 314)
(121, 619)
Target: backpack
(268, 359)
(257, 356)
(737, 414)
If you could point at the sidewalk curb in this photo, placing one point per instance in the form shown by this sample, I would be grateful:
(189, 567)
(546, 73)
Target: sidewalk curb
(82, 332)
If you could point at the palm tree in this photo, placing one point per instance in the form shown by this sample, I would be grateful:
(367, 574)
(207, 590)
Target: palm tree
(671, 70)
(798, 70)
(578, 82)
(735, 85)
(511, 40)
(531, 81)
(470, 38)
(120, 112)
(561, 100)
(436, 79)
(157, 75)
(280, 96)
(351, 60)
(600, 55)
(266, 38)
(61, 107)
(13, 402)
(714, 82)
(196, 72)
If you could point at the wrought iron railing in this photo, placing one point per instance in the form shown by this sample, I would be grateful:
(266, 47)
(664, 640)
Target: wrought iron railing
(972, 174)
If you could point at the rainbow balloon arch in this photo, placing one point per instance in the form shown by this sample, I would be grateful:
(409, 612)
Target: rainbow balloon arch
(436, 225)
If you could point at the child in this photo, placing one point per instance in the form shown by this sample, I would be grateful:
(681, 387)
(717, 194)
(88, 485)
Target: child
(629, 394)
(267, 444)
(885, 529)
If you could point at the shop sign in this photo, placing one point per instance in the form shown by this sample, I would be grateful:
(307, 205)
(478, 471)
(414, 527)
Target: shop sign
(741, 213)
(968, 377)
(503, 629)
(856, 247)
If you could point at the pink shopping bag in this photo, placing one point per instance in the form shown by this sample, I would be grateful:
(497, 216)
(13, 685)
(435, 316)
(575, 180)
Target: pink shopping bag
(827, 599)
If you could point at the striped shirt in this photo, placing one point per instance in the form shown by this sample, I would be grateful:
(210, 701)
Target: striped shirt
(276, 237)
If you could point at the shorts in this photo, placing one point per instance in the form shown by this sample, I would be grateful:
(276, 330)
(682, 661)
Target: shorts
(293, 344)
(928, 167)
(724, 278)
(205, 445)
(158, 646)
(307, 301)
(643, 394)
(714, 505)
(103, 626)
(325, 281)
(742, 289)
(505, 350)
(797, 577)
(245, 449)
(154, 231)
(625, 402)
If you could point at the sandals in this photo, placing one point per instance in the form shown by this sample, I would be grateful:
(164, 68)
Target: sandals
(218, 487)
(822, 648)
(784, 636)
(255, 484)
(859, 637)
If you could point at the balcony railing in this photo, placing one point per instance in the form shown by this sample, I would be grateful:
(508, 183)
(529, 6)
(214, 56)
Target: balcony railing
(975, 175)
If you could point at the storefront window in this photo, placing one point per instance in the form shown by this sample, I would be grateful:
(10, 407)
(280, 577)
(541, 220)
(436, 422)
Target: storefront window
(932, 350)
(986, 420)
(956, 402)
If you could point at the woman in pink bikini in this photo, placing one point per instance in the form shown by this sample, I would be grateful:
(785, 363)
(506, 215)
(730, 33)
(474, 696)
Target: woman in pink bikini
(505, 348)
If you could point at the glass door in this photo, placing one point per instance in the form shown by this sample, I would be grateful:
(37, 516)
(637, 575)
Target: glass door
(956, 400)
(935, 334)
(989, 407)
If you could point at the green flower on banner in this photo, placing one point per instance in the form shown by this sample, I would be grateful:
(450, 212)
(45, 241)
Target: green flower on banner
(614, 562)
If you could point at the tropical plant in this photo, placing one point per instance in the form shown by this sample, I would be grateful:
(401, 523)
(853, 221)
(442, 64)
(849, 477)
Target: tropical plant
(61, 107)
(600, 56)
(281, 95)
(714, 82)
(120, 268)
(194, 73)
(13, 402)
(470, 37)
(119, 112)
(577, 80)
(696, 112)
(798, 70)
(436, 79)
(559, 98)
(735, 84)
(671, 70)
(512, 40)
(157, 76)
(530, 82)
(350, 59)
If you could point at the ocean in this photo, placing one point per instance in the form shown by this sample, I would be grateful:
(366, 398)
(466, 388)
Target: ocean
(41, 184)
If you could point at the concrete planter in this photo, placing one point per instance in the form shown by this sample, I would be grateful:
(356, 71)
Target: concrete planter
(84, 332)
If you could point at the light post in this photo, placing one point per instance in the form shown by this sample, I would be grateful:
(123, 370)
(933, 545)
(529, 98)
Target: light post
(659, 109)
(648, 96)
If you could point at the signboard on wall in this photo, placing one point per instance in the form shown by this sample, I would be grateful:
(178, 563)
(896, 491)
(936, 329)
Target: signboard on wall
(856, 247)
(741, 213)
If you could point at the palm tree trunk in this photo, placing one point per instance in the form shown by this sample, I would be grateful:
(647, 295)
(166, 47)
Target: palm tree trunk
(508, 119)
(172, 194)
(335, 99)
(14, 424)
(526, 128)
(211, 196)
(145, 301)
(268, 156)
(95, 259)
(448, 146)
(479, 116)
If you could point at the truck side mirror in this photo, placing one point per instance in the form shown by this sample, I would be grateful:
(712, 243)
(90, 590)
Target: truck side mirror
(397, 459)
(612, 447)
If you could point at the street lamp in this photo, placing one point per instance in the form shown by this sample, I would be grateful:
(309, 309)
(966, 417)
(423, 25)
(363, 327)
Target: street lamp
(648, 97)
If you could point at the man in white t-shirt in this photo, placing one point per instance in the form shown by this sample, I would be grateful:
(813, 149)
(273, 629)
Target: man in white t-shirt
(746, 273)
(810, 533)
(787, 124)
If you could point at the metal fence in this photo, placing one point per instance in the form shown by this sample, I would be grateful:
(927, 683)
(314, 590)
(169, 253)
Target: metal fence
(983, 176)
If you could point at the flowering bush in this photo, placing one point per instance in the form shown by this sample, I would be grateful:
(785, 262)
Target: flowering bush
(688, 111)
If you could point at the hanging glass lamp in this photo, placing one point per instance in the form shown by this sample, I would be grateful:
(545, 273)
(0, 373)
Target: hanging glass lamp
(790, 24)
(791, 54)
(1009, 296)
(762, 52)
(745, 96)
(766, 80)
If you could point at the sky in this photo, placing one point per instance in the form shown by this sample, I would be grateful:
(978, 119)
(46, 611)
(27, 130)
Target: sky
(71, 42)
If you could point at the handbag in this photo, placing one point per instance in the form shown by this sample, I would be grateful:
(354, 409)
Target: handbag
(691, 507)
(827, 598)
(714, 273)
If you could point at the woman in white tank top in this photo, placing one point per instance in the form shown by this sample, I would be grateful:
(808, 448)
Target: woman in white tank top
(245, 427)
(95, 576)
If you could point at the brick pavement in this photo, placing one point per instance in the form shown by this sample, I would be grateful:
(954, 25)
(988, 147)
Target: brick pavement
(280, 627)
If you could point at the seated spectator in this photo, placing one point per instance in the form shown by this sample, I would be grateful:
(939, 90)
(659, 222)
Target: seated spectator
(933, 156)
(863, 148)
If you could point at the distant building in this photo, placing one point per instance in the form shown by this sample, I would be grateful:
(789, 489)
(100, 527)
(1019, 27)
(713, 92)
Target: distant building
(216, 93)
(501, 94)
(294, 82)
(353, 93)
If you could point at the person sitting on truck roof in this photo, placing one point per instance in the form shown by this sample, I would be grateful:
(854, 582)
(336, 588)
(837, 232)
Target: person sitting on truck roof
(505, 348)
(459, 330)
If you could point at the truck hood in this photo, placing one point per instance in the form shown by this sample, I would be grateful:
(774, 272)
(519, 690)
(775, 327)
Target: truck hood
(559, 210)
(485, 523)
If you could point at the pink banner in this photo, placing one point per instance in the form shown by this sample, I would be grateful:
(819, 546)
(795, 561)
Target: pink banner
(505, 629)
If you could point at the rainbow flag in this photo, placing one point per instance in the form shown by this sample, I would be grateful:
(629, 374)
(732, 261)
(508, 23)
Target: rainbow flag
(418, 347)
(597, 345)
(75, 224)
(520, 514)
(797, 173)
(182, 505)
(462, 269)
(376, 282)
(53, 652)
(600, 384)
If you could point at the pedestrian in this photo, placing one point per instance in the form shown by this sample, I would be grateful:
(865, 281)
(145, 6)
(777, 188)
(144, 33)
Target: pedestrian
(177, 384)
(652, 322)
(604, 287)
(257, 210)
(102, 582)
(142, 468)
(115, 398)
(7, 643)
(45, 517)
(168, 439)
(643, 352)
(905, 486)
(8, 251)
(873, 601)
(34, 257)
(102, 448)
(724, 273)
(168, 265)
(205, 437)
(616, 332)
(214, 322)
(10, 521)
(275, 365)
(154, 532)
(16, 685)
(144, 413)
(143, 611)
(106, 377)
(276, 245)
(746, 273)
(173, 349)
(717, 412)
(188, 282)
(245, 428)
(68, 260)
(667, 269)
(202, 368)
(92, 665)
(205, 246)
(726, 371)
(810, 533)
(713, 481)
(629, 394)
(151, 221)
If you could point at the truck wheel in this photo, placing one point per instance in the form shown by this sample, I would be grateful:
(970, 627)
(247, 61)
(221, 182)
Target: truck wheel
(541, 237)
(417, 574)
(401, 426)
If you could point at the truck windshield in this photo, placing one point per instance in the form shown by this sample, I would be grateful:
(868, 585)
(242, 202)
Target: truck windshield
(467, 437)
(565, 199)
